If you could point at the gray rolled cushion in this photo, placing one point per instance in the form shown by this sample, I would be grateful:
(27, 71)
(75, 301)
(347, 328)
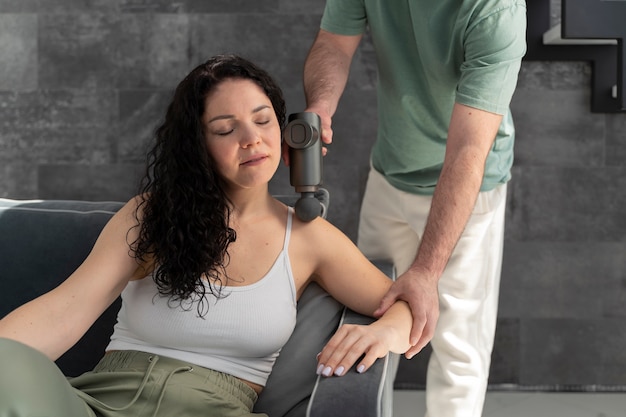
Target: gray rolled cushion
(294, 376)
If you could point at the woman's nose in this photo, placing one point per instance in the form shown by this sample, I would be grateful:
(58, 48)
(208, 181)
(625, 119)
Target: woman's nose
(251, 136)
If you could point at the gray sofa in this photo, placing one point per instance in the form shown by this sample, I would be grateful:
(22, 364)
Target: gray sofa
(43, 241)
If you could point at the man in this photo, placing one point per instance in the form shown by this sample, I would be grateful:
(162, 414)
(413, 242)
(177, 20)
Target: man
(435, 197)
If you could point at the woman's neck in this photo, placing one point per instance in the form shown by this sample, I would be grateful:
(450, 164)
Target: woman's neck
(250, 203)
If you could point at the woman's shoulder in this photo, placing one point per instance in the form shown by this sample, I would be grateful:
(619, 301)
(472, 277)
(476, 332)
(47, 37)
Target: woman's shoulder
(317, 225)
(133, 208)
(319, 233)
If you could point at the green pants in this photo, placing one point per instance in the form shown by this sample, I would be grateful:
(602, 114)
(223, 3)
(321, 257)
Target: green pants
(124, 383)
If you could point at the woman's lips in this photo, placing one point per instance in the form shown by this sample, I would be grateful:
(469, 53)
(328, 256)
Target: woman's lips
(254, 160)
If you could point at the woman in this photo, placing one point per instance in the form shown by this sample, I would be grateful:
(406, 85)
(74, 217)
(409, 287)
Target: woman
(209, 266)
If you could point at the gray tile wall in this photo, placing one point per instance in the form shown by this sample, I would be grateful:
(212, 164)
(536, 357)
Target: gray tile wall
(83, 85)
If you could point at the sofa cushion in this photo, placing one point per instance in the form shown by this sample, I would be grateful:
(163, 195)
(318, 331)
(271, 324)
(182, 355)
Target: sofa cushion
(41, 244)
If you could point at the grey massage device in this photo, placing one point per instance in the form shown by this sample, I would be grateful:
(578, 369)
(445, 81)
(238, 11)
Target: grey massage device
(303, 134)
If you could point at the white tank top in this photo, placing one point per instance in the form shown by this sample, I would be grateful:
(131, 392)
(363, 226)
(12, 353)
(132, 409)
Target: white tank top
(241, 334)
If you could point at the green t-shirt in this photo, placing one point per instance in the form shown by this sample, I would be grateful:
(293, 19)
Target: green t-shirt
(431, 53)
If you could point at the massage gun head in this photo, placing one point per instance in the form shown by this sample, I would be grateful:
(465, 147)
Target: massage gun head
(308, 207)
(303, 134)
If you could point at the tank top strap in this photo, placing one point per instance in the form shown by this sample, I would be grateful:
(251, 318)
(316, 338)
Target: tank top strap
(288, 229)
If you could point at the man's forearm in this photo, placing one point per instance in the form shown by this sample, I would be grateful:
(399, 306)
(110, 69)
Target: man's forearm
(470, 137)
(326, 70)
(451, 207)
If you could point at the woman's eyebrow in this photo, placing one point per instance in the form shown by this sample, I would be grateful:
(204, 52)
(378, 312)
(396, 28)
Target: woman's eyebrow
(261, 107)
(230, 116)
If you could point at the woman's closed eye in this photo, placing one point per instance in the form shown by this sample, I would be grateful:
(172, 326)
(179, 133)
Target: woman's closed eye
(224, 132)
(222, 127)
(227, 131)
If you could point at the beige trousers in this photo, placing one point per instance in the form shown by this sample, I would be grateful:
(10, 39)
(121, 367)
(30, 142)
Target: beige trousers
(391, 226)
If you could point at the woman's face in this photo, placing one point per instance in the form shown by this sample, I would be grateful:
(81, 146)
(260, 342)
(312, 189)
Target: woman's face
(242, 133)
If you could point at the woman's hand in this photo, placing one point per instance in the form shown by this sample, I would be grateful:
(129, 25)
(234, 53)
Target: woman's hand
(365, 344)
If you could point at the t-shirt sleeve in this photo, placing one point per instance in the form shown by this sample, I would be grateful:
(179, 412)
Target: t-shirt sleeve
(494, 47)
(344, 17)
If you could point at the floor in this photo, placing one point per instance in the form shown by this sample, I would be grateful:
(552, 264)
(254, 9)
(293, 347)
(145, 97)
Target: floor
(527, 404)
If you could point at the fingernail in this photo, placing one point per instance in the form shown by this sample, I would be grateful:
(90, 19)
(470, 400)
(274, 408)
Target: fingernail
(327, 371)
(320, 369)
(318, 355)
(360, 368)
(339, 371)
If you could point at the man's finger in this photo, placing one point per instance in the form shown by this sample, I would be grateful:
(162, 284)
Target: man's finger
(422, 337)
(285, 153)
(416, 332)
(385, 303)
(421, 344)
(414, 350)
(327, 135)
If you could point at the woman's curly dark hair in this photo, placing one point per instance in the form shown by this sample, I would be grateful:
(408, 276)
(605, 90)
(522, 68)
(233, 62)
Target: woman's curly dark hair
(183, 213)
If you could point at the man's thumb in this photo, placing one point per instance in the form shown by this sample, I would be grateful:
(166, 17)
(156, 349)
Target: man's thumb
(385, 303)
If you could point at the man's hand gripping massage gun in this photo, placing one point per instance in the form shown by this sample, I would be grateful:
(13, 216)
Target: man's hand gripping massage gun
(303, 135)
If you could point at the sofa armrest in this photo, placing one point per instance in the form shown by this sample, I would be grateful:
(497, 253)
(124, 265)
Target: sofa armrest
(360, 395)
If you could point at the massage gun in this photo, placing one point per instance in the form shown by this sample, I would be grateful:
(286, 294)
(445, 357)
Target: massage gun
(303, 135)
